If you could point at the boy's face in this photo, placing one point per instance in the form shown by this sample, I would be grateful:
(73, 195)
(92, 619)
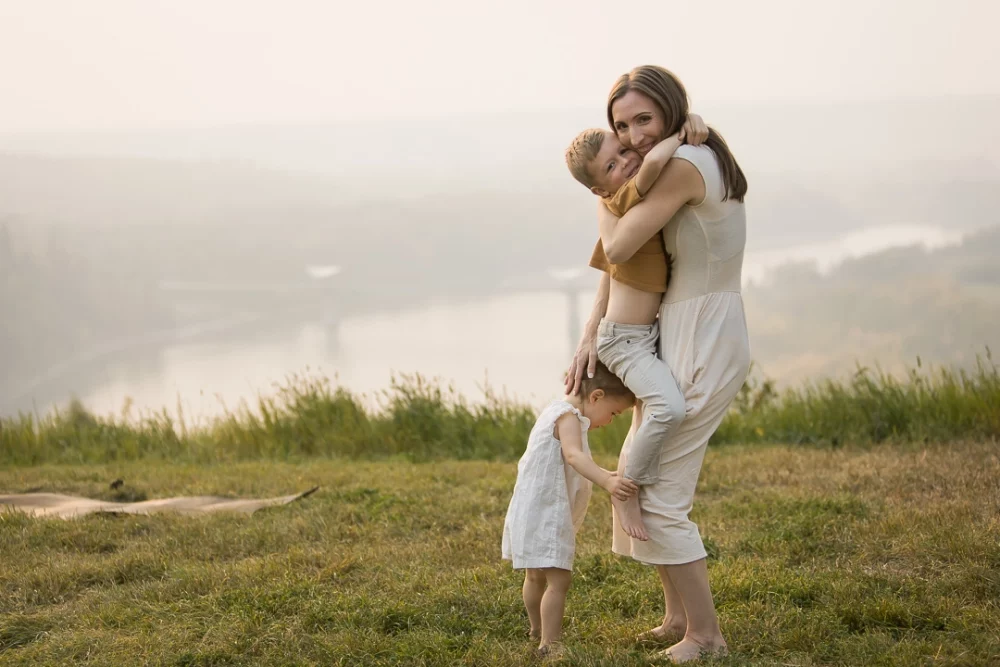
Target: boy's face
(613, 166)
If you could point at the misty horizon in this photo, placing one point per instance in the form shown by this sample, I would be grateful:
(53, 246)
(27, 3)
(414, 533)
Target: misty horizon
(146, 144)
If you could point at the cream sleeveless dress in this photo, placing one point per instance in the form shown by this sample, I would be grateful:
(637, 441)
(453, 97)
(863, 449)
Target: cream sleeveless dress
(703, 338)
(550, 498)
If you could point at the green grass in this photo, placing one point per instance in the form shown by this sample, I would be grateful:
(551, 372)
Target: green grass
(882, 555)
(421, 421)
(879, 543)
(928, 405)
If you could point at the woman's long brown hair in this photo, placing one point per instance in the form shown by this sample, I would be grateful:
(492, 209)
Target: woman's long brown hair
(666, 90)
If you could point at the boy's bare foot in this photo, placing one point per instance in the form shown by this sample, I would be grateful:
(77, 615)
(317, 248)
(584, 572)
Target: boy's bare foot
(630, 517)
(687, 650)
(661, 635)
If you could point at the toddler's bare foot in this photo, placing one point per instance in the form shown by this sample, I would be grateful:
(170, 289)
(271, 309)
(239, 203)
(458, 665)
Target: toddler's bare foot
(630, 517)
(661, 635)
(534, 635)
(687, 650)
(551, 652)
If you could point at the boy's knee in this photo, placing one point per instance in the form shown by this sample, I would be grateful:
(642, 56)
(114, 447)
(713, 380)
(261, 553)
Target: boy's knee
(676, 410)
(668, 413)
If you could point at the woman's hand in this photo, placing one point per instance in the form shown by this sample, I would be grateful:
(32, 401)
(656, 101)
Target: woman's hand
(695, 132)
(585, 359)
(619, 487)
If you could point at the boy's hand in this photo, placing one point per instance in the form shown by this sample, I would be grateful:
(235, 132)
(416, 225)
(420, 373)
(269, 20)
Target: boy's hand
(695, 131)
(619, 487)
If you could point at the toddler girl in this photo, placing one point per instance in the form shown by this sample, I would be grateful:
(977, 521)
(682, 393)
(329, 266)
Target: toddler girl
(554, 482)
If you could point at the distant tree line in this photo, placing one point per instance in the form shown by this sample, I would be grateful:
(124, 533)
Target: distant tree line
(887, 309)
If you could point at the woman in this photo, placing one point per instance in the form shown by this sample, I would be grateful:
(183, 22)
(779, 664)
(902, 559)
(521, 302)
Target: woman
(697, 204)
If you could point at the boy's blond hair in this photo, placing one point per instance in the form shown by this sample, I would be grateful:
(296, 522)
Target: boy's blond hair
(606, 380)
(582, 152)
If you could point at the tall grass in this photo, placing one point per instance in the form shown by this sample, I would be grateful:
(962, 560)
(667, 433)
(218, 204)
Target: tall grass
(419, 420)
(929, 404)
(307, 417)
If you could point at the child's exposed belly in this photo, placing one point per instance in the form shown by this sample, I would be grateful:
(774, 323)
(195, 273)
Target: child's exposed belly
(628, 305)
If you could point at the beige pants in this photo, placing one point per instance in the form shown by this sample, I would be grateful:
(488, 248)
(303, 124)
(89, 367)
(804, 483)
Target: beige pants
(629, 351)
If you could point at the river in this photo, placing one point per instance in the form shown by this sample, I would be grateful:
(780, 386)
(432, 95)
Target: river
(517, 344)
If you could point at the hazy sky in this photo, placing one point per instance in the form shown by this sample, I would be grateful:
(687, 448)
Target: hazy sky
(105, 64)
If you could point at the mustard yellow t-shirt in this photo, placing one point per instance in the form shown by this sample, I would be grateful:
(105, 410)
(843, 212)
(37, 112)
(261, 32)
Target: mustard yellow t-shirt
(649, 268)
(626, 197)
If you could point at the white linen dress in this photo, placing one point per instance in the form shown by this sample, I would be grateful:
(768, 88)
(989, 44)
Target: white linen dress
(550, 498)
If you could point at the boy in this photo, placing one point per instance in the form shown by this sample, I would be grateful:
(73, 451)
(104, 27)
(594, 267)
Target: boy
(629, 333)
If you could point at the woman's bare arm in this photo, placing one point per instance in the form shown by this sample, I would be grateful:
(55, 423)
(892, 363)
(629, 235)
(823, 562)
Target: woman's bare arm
(679, 184)
(585, 358)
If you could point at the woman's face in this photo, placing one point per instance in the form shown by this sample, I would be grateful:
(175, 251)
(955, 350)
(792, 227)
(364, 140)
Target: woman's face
(638, 121)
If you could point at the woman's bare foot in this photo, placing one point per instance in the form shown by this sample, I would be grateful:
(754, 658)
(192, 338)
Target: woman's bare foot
(688, 649)
(630, 518)
(661, 635)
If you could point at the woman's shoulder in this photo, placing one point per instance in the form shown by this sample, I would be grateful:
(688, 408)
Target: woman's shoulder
(703, 159)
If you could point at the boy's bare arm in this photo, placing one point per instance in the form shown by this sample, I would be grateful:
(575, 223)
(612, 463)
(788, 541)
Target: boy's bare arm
(571, 438)
(655, 160)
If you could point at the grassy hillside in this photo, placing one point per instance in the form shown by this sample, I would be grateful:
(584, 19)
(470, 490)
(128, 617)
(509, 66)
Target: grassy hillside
(886, 555)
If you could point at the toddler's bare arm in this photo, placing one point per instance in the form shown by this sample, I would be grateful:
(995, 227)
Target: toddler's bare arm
(571, 438)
